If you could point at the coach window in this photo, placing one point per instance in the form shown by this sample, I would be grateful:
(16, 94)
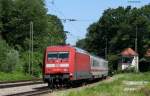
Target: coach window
(95, 63)
(52, 55)
(63, 55)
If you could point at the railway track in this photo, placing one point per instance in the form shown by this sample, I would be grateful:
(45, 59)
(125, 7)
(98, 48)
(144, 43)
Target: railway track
(19, 83)
(24, 89)
(38, 91)
(32, 93)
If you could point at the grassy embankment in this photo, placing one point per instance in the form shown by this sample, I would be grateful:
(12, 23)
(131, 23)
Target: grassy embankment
(14, 76)
(131, 84)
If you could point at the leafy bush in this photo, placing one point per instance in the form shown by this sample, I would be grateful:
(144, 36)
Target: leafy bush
(129, 69)
(37, 64)
(4, 49)
(9, 57)
(14, 76)
(35, 68)
(12, 59)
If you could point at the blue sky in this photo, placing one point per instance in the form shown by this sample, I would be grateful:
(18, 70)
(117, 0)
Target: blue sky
(86, 12)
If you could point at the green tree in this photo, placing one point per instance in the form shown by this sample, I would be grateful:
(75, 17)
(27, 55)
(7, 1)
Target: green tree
(0, 17)
(22, 14)
(55, 30)
(81, 43)
(118, 27)
(15, 19)
(6, 7)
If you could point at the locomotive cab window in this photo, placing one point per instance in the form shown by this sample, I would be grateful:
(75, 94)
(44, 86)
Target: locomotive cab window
(58, 55)
(63, 55)
(52, 55)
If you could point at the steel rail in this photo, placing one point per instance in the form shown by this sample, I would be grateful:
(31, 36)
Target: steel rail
(32, 93)
(17, 84)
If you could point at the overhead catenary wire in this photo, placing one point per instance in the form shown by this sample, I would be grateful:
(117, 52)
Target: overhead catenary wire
(67, 19)
(64, 20)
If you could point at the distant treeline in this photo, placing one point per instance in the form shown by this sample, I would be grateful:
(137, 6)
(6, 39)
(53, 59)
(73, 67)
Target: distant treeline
(116, 30)
(15, 18)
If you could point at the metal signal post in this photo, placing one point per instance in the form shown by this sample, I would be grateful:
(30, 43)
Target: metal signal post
(136, 36)
(32, 47)
(30, 68)
(136, 40)
(106, 49)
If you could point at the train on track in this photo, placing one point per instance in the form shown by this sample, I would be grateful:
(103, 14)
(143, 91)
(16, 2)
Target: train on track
(67, 64)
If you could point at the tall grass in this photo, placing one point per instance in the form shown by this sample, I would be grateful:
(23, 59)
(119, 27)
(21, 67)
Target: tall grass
(116, 87)
(14, 76)
(136, 76)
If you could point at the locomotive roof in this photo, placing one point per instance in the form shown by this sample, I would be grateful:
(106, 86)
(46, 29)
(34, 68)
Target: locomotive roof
(81, 50)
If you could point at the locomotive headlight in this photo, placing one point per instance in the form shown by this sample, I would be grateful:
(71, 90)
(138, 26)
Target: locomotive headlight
(71, 74)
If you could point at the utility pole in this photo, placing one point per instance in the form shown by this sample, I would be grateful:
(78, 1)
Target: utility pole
(30, 68)
(136, 39)
(136, 49)
(106, 49)
(31, 23)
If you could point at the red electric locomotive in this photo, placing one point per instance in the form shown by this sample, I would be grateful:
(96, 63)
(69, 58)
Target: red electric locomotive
(63, 64)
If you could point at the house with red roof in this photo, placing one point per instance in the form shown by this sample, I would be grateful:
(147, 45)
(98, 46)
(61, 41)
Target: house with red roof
(129, 58)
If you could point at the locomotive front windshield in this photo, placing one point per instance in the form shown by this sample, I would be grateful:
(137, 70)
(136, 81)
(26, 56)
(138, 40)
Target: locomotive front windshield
(52, 55)
(58, 55)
